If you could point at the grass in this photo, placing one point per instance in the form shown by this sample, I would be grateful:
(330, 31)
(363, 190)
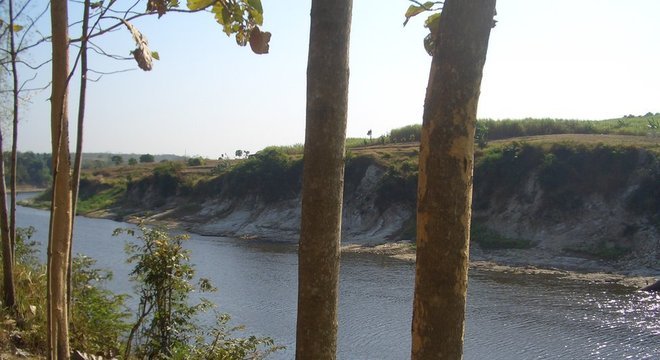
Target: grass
(101, 200)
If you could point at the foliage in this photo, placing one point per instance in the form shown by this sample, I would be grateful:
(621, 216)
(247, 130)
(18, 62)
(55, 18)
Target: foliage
(147, 158)
(99, 317)
(501, 170)
(270, 174)
(196, 161)
(98, 195)
(31, 168)
(406, 134)
(166, 324)
(132, 161)
(117, 159)
(239, 17)
(431, 22)
(481, 134)
(398, 185)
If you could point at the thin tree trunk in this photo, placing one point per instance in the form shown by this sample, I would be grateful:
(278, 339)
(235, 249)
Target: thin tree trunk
(323, 179)
(445, 178)
(77, 164)
(7, 219)
(9, 292)
(14, 144)
(61, 207)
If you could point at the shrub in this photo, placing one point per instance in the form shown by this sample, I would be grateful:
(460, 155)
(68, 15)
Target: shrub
(166, 325)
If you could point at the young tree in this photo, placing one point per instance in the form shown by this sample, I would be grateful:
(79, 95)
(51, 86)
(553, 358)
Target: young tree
(61, 206)
(323, 174)
(444, 194)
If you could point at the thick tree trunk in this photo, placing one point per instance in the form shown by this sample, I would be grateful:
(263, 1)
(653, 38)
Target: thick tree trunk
(445, 178)
(61, 208)
(323, 179)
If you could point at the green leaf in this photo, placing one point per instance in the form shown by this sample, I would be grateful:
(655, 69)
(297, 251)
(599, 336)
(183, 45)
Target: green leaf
(414, 10)
(17, 28)
(154, 54)
(432, 22)
(256, 4)
(257, 16)
(199, 4)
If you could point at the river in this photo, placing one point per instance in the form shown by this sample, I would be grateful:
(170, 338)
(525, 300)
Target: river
(508, 316)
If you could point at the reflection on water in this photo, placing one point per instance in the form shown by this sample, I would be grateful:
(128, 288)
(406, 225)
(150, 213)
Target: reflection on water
(508, 316)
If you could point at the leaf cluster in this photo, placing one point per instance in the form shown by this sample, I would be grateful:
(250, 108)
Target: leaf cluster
(239, 17)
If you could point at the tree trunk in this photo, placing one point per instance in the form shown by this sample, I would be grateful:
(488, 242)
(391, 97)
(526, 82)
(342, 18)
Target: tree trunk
(14, 143)
(323, 179)
(9, 292)
(77, 163)
(61, 207)
(7, 226)
(445, 178)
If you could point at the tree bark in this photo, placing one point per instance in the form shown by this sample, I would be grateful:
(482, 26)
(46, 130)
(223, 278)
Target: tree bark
(61, 207)
(323, 179)
(445, 178)
(7, 227)
(9, 292)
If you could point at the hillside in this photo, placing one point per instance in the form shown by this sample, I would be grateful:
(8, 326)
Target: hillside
(554, 200)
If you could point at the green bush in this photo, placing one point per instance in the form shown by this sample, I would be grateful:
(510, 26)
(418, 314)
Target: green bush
(98, 316)
(271, 174)
(166, 322)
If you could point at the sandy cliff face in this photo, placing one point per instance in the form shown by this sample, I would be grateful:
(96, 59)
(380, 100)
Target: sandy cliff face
(585, 212)
(362, 222)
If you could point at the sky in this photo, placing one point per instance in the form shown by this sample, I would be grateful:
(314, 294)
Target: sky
(587, 59)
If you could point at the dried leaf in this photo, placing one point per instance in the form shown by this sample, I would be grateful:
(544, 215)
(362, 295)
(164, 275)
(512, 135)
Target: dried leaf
(159, 6)
(142, 54)
(259, 40)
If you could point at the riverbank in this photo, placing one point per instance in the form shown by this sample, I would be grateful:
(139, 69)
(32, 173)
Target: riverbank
(533, 261)
(508, 261)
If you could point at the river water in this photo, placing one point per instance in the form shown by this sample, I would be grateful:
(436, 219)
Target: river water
(508, 316)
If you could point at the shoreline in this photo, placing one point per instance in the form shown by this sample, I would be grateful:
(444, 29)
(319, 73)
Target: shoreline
(539, 262)
(404, 251)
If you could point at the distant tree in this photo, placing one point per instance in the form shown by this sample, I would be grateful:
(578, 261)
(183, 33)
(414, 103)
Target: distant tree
(239, 153)
(246, 153)
(147, 158)
(132, 161)
(117, 159)
(369, 135)
(196, 161)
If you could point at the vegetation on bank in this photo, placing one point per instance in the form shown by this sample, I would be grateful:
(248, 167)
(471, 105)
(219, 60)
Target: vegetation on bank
(568, 167)
(164, 325)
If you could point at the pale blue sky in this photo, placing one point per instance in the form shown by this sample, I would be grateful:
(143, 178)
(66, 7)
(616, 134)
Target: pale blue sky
(587, 59)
